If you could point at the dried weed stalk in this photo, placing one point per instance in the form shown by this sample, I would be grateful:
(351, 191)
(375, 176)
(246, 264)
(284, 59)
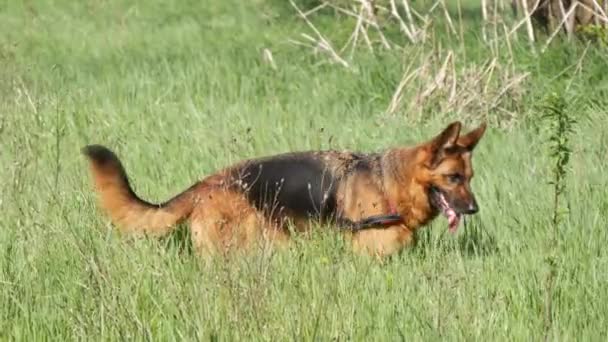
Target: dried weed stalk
(438, 86)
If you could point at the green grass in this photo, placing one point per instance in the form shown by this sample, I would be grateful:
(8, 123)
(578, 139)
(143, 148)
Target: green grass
(179, 89)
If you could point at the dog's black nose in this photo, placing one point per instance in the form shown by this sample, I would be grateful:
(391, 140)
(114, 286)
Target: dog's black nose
(472, 209)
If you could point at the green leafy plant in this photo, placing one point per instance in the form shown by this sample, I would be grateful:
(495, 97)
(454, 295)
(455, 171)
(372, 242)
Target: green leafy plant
(561, 126)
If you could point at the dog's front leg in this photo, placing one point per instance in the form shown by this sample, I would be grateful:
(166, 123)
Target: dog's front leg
(382, 241)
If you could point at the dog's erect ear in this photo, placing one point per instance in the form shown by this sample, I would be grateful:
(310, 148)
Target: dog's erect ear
(470, 140)
(442, 142)
(447, 138)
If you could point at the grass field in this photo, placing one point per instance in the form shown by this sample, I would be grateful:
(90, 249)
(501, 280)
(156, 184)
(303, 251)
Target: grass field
(180, 88)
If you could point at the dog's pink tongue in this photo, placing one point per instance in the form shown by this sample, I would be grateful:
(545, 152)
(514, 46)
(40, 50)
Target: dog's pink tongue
(453, 221)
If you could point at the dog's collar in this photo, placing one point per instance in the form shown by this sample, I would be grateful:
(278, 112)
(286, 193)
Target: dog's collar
(377, 221)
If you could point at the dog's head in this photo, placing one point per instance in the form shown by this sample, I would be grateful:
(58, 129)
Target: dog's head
(447, 171)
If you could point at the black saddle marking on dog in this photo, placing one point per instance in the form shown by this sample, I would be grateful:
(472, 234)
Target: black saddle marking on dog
(298, 182)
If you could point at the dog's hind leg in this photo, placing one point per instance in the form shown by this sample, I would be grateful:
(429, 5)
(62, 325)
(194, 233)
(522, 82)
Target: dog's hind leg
(224, 220)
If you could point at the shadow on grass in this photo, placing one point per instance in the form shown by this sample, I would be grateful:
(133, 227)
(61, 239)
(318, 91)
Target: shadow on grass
(472, 240)
(476, 240)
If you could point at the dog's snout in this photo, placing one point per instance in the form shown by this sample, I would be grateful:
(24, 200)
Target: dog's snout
(472, 208)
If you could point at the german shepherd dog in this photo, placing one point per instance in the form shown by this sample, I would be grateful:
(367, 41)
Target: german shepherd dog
(379, 199)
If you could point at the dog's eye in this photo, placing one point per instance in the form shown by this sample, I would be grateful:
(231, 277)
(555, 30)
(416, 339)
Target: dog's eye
(455, 178)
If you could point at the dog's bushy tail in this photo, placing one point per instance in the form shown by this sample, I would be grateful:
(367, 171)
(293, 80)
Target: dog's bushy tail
(125, 209)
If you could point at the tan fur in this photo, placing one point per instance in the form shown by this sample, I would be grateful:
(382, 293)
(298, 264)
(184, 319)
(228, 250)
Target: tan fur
(223, 221)
(132, 216)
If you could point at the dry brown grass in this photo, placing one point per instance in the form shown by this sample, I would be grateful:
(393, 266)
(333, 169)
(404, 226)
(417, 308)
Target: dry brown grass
(440, 85)
(567, 16)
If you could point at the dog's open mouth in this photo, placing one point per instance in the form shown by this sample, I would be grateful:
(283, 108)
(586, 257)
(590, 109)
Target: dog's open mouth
(446, 209)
